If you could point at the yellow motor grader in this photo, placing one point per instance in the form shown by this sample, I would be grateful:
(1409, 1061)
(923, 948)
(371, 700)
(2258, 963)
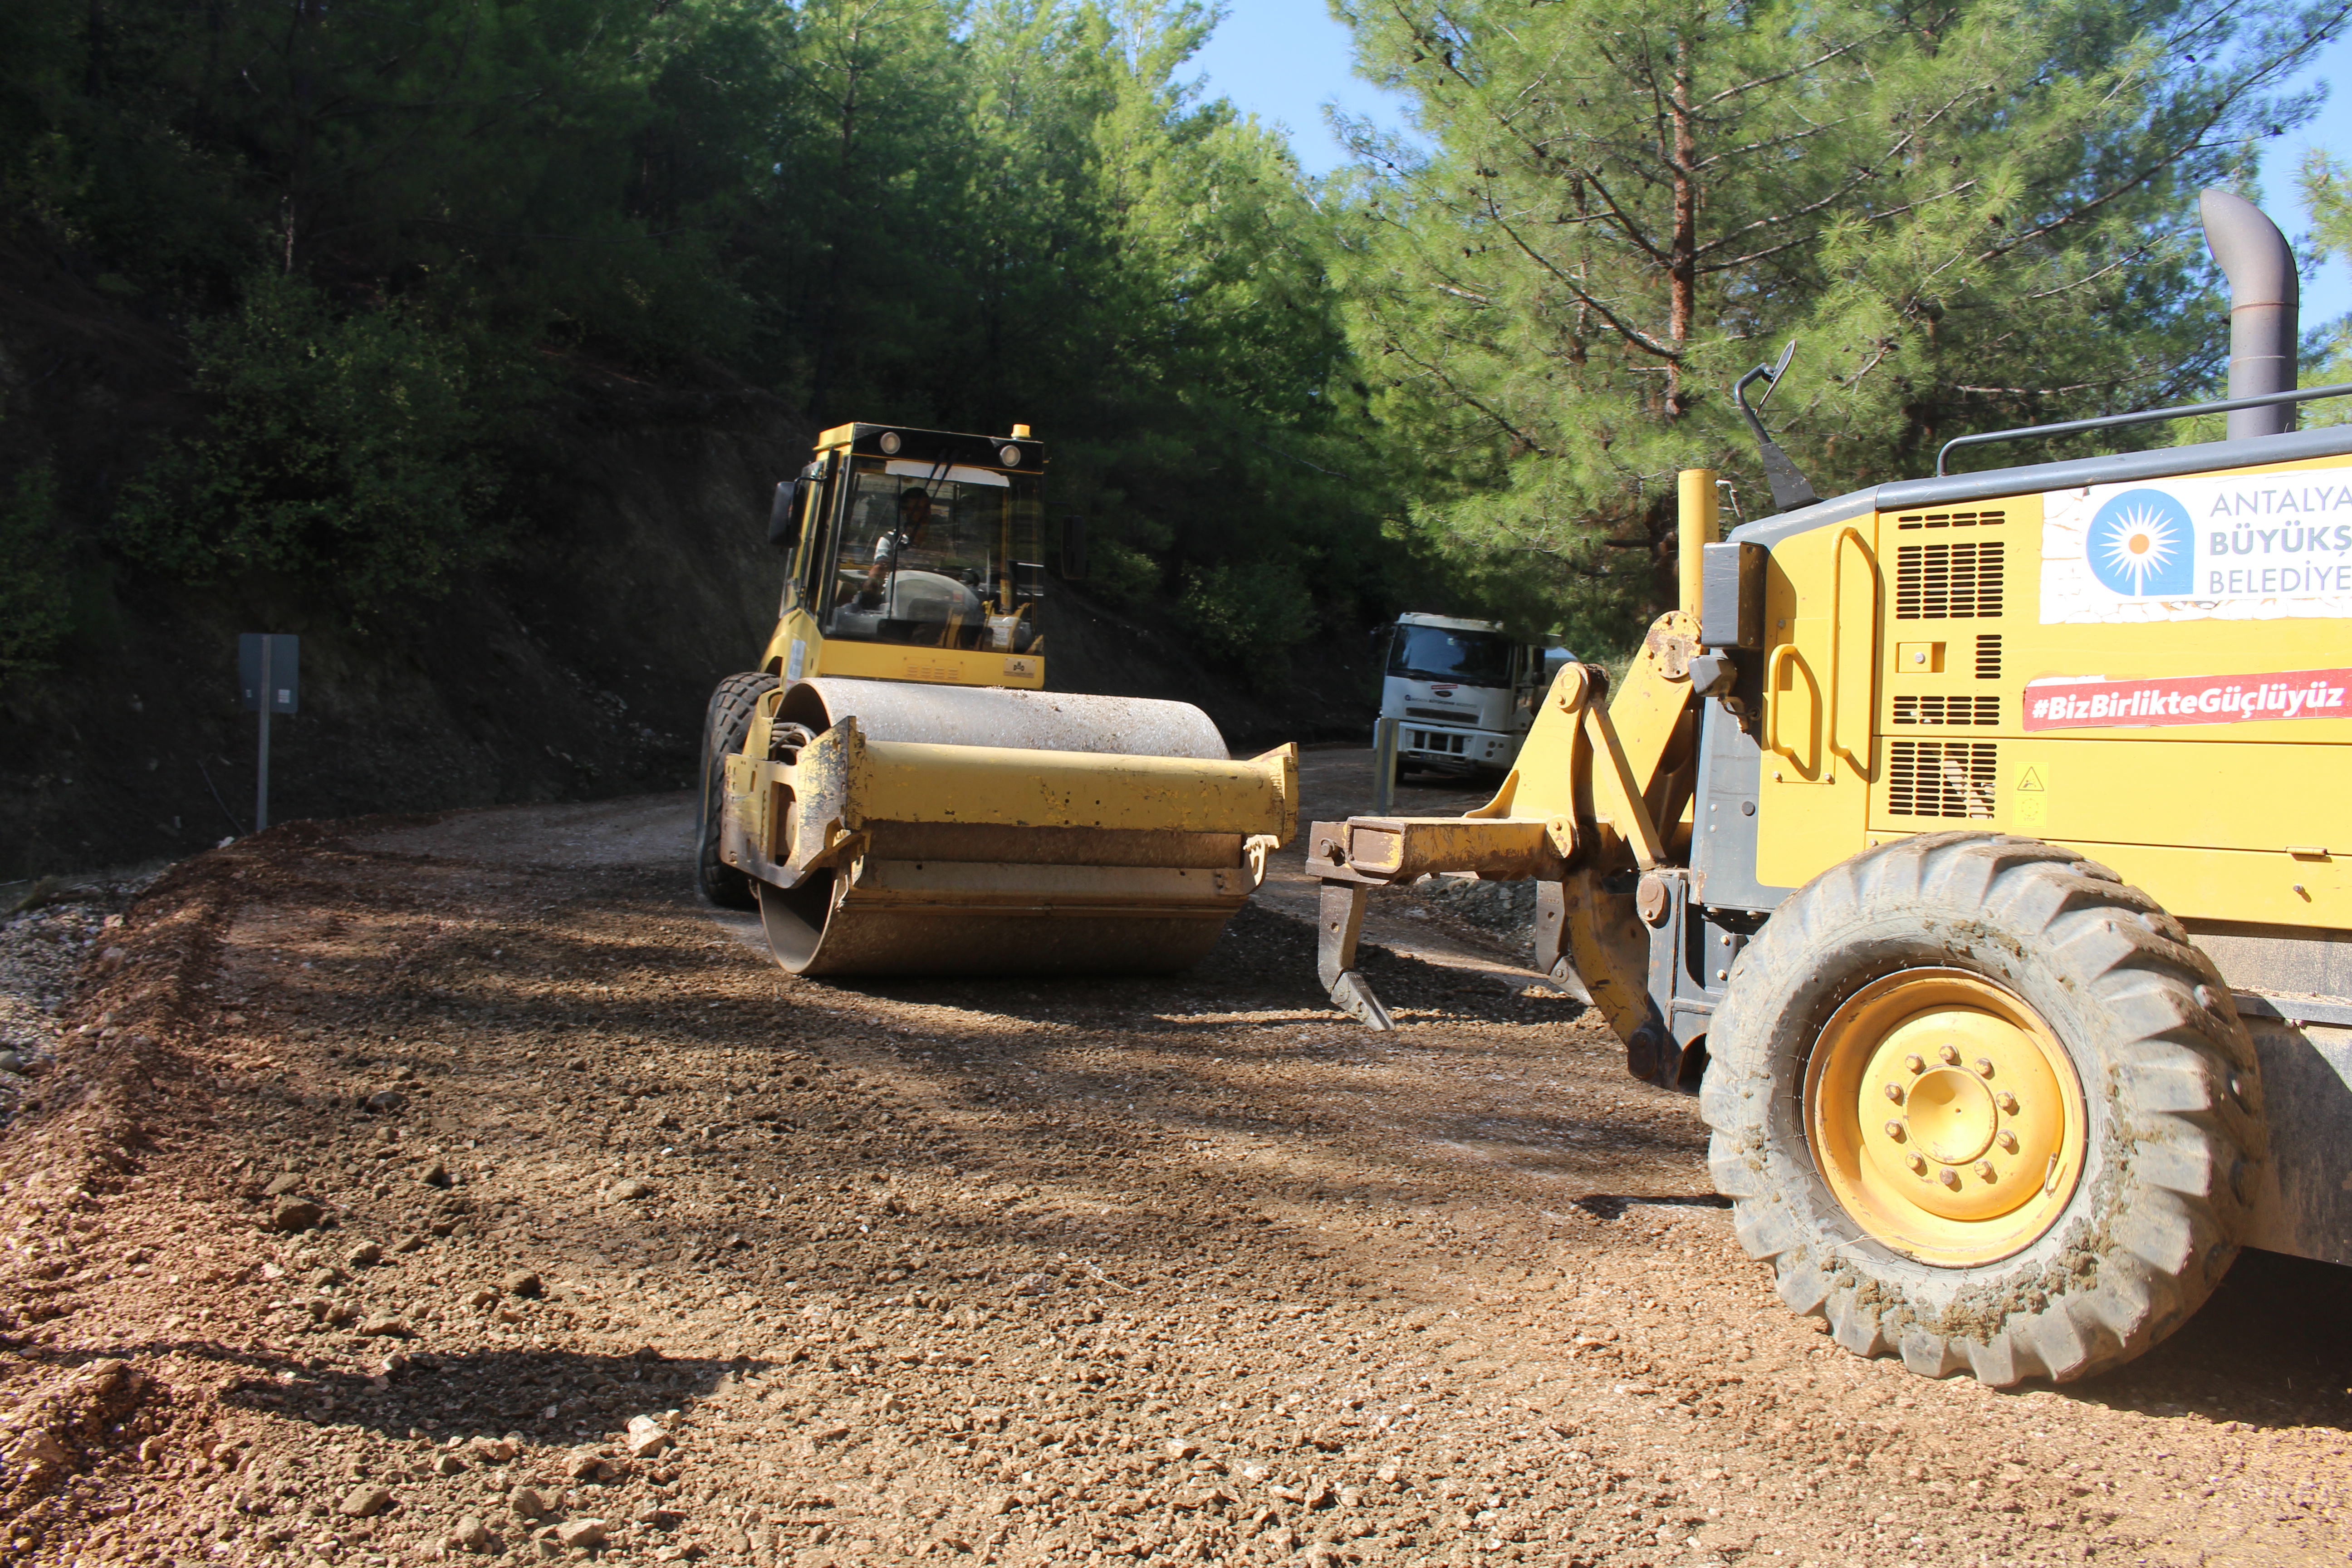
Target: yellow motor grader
(1974, 848)
(894, 789)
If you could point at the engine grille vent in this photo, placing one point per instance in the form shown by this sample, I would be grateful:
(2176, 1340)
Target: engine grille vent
(1941, 778)
(1948, 709)
(1951, 520)
(1955, 581)
(1989, 656)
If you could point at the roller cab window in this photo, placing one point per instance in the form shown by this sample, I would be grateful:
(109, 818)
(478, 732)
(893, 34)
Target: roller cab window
(938, 555)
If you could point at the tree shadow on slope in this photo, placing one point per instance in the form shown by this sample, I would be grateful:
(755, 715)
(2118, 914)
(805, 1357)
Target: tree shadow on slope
(1265, 962)
(546, 1397)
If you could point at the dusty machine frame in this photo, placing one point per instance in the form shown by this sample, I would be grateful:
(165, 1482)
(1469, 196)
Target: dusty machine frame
(908, 800)
(1974, 848)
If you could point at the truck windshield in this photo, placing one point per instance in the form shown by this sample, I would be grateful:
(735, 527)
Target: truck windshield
(1437, 653)
(936, 555)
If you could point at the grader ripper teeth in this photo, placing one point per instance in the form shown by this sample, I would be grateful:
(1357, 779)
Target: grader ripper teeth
(893, 790)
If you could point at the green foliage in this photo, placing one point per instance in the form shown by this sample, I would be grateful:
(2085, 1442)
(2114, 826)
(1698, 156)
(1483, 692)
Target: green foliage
(2327, 346)
(1466, 372)
(36, 604)
(1121, 574)
(1969, 217)
(546, 159)
(349, 450)
(952, 213)
(2327, 195)
(1249, 614)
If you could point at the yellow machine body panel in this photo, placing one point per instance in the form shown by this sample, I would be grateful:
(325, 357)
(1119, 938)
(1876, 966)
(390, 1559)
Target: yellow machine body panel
(1998, 676)
(1819, 670)
(800, 642)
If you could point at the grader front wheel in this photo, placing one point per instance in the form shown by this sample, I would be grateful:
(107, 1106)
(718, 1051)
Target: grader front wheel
(1944, 1116)
(1985, 1108)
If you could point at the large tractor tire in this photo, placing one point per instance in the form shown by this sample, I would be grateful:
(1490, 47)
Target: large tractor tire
(1983, 1107)
(724, 726)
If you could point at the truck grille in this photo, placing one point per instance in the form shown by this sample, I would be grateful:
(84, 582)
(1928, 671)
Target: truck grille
(1941, 778)
(1955, 581)
(1948, 709)
(1444, 715)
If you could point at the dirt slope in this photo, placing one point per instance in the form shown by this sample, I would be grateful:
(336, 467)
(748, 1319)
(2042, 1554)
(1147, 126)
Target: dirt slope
(998, 1271)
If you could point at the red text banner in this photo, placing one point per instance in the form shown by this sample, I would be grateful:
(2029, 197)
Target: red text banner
(2095, 702)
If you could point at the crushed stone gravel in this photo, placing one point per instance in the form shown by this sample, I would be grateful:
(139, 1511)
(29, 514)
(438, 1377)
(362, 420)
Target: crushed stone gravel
(693, 1260)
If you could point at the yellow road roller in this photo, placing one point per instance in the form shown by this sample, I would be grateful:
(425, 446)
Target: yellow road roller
(893, 788)
(1974, 847)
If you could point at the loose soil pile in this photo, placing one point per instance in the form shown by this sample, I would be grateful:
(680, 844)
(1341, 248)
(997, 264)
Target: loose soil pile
(450, 1187)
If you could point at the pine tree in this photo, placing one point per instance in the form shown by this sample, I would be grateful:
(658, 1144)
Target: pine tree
(1968, 216)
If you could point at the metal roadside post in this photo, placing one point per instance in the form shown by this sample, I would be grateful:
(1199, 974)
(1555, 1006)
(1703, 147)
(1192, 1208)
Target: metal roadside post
(269, 672)
(1384, 766)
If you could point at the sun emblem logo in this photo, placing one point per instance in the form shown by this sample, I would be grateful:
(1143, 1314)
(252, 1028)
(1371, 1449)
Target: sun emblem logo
(2139, 544)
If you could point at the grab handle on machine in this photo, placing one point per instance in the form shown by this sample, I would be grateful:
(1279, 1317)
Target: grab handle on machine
(1782, 657)
(1837, 636)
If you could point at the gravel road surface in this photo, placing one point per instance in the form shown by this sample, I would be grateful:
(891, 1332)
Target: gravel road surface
(389, 1190)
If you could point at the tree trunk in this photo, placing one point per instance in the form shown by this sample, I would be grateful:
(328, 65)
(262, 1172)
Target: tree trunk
(1682, 251)
(828, 329)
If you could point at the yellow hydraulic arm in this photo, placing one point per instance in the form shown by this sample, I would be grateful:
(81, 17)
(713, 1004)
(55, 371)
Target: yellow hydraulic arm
(1596, 799)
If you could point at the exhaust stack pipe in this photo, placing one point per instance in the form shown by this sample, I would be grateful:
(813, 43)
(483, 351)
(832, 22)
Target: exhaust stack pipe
(2264, 298)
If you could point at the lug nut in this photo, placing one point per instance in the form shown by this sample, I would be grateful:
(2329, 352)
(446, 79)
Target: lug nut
(1915, 1063)
(1984, 1067)
(1950, 1178)
(1984, 1170)
(1950, 1053)
(1895, 1130)
(1919, 1166)
(1894, 1092)
(2007, 1101)
(2007, 1139)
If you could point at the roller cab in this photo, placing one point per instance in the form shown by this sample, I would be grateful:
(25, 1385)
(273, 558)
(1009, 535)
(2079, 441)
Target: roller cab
(898, 794)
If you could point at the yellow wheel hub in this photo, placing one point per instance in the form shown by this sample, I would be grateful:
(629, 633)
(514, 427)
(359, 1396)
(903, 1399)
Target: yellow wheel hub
(1946, 1116)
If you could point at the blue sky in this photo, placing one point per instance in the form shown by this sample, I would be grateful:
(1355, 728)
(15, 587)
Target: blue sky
(1282, 60)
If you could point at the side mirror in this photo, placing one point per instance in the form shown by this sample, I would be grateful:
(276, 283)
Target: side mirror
(1073, 548)
(785, 513)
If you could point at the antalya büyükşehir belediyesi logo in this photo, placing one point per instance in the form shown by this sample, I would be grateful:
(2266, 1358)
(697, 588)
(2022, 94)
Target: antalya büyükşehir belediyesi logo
(2141, 543)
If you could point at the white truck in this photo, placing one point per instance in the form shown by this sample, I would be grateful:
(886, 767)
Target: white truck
(1462, 691)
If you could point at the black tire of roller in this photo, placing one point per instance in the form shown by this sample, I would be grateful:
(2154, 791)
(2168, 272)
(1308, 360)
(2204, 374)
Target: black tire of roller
(724, 725)
(2171, 1098)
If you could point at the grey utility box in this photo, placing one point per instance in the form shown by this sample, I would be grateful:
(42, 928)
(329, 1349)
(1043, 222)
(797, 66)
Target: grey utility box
(1731, 595)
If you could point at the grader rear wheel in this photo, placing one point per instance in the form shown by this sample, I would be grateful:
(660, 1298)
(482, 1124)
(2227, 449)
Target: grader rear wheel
(1983, 1107)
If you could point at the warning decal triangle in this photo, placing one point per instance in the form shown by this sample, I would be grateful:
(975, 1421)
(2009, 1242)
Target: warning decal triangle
(2031, 781)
